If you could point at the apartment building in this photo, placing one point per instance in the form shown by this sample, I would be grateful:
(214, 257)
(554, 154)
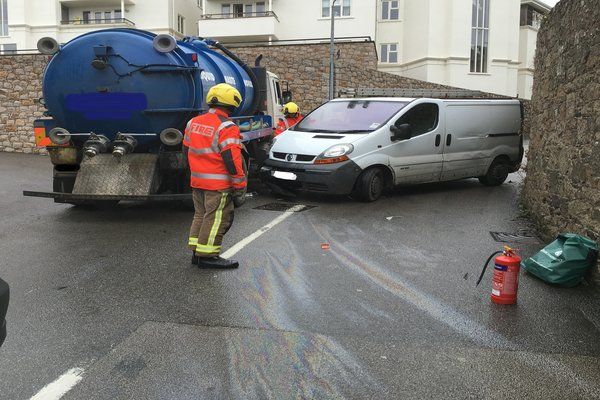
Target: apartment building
(483, 45)
(24, 22)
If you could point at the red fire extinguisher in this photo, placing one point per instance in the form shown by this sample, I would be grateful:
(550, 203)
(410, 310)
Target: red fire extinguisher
(506, 276)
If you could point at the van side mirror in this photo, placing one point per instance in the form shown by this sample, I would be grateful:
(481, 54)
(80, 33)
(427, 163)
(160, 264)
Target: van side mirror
(287, 96)
(401, 132)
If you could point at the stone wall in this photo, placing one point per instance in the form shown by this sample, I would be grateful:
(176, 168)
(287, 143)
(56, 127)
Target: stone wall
(304, 66)
(20, 89)
(562, 188)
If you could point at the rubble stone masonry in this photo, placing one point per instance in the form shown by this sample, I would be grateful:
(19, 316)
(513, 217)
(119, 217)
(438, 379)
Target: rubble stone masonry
(304, 66)
(562, 188)
(20, 90)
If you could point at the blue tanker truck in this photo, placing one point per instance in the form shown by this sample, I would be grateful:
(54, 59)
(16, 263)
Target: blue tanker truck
(118, 101)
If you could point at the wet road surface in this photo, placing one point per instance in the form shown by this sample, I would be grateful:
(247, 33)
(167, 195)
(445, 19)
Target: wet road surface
(388, 311)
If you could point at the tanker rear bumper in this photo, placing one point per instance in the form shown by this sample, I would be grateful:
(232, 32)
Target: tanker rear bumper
(66, 197)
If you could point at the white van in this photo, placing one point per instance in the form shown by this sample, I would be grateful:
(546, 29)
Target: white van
(365, 146)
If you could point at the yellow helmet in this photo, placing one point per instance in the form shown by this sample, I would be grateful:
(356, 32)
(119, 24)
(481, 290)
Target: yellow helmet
(291, 108)
(224, 94)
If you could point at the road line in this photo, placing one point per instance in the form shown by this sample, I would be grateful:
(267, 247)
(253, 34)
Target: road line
(60, 387)
(245, 242)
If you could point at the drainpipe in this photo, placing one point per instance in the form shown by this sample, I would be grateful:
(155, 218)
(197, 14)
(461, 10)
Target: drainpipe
(270, 5)
(332, 53)
(122, 11)
(203, 7)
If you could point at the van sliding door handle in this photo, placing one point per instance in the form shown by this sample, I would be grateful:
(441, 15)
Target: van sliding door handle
(438, 140)
(448, 140)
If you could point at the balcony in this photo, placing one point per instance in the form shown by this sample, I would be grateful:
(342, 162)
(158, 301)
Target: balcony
(239, 27)
(122, 22)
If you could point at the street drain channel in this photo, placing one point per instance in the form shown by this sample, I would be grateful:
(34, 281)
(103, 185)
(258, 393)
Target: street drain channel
(284, 207)
(522, 237)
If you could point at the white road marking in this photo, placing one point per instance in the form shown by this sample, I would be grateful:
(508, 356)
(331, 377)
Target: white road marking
(245, 242)
(60, 387)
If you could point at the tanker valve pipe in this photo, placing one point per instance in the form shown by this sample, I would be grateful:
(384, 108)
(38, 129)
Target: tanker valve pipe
(95, 145)
(123, 144)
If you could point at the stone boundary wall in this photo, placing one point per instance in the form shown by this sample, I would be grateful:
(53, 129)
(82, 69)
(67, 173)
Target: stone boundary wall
(304, 66)
(562, 188)
(20, 89)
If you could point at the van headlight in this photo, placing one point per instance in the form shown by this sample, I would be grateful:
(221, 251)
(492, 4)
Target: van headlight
(335, 154)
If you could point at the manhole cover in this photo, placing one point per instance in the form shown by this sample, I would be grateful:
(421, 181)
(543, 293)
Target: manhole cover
(522, 237)
(284, 207)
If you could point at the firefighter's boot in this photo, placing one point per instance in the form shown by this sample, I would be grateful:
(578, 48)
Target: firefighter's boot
(217, 262)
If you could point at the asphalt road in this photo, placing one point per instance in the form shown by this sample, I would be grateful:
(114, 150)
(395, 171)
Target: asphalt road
(390, 310)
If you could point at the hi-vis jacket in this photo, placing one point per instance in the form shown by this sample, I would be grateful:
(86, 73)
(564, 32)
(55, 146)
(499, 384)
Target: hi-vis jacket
(286, 123)
(215, 152)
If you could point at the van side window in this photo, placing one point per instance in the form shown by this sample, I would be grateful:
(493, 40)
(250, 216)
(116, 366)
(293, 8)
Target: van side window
(422, 118)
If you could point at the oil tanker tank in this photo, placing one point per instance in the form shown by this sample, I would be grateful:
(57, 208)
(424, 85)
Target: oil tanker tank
(118, 101)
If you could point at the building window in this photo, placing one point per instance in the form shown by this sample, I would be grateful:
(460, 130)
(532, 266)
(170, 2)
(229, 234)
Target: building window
(531, 17)
(4, 18)
(247, 10)
(390, 10)
(389, 53)
(180, 24)
(9, 48)
(480, 35)
(238, 10)
(118, 16)
(260, 9)
(341, 8)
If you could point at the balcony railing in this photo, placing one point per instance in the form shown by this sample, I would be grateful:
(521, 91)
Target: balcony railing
(241, 15)
(124, 21)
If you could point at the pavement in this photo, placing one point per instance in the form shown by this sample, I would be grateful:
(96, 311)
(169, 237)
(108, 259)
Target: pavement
(105, 303)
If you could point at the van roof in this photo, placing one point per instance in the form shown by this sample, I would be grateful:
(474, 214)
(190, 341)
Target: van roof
(410, 99)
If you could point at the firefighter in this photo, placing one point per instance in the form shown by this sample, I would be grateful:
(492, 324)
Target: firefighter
(291, 111)
(212, 143)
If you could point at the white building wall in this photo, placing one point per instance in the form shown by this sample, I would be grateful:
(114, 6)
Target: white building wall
(30, 20)
(296, 20)
(527, 45)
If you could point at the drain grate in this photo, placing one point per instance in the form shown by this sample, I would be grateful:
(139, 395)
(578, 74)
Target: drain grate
(284, 207)
(521, 237)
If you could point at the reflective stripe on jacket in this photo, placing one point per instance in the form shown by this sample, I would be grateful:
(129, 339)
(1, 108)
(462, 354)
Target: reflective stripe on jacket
(206, 137)
(286, 123)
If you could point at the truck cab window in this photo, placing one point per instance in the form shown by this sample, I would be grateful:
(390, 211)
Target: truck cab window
(278, 93)
(422, 118)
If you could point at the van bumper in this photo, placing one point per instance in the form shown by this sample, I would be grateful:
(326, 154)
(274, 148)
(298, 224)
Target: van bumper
(335, 179)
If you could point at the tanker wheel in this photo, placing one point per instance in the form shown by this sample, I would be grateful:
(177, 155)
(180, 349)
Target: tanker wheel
(369, 185)
(98, 204)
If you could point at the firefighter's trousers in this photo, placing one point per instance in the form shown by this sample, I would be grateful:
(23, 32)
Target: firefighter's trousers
(212, 219)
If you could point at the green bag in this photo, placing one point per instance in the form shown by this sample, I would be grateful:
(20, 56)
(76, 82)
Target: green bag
(564, 261)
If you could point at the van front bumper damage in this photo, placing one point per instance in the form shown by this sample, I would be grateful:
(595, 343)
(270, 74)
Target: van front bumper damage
(334, 179)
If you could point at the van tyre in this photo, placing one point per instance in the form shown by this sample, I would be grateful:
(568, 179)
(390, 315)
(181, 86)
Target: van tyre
(496, 174)
(369, 185)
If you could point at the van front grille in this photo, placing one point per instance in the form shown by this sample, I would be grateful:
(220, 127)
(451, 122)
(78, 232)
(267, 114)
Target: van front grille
(298, 157)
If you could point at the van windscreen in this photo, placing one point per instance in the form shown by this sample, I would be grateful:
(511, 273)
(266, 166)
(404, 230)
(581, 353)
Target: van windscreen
(352, 116)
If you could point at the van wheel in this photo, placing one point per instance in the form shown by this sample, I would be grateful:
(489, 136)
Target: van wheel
(496, 175)
(369, 185)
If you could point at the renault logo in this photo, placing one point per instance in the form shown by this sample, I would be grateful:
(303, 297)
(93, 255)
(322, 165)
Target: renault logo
(291, 157)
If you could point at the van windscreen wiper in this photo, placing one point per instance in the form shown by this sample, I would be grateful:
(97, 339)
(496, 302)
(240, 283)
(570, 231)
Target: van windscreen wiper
(357, 131)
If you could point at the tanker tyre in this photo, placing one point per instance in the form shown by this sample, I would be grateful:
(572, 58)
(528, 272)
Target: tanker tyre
(496, 174)
(369, 185)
